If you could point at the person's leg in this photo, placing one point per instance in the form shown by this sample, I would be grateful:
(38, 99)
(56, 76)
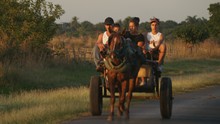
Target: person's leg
(96, 54)
(162, 52)
(142, 81)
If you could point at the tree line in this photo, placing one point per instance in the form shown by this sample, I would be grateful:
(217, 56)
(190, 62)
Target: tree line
(192, 30)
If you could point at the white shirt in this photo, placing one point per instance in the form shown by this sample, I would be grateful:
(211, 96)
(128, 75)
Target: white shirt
(153, 39)
(105, 38)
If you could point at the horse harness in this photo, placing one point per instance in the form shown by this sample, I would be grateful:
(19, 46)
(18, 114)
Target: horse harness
(121, 53)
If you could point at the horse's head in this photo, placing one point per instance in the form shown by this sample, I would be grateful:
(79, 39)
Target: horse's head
(116, 44)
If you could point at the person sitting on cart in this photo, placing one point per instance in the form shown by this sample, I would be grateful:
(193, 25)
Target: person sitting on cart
(100, 46)
(116, 28)
(138, 41)
(155, 46)
(136, 38)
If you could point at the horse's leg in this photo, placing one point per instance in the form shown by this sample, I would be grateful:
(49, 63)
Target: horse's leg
(119, 103)
(129, 96)
(124, 89)
(112, 99)
(121, 107)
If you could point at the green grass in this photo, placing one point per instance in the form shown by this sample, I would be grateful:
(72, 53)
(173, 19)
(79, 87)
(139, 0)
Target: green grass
(44, 78)
(189, 67)
(58, 93)
(190, 75)
(44, 106)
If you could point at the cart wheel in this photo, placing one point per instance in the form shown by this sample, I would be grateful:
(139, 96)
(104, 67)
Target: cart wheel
(166, 98)
(95, 96)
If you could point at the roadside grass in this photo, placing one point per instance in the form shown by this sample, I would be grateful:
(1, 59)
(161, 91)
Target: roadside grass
(193, 74)
(52, 95)
(44, 106)
(188, 83)
(44, 78)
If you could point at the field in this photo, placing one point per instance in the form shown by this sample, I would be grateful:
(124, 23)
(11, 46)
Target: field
(55, 93)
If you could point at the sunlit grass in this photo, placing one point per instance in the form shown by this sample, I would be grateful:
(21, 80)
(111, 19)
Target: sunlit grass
(44, 106)
(194, 82)
(59, 93)
(192, 74)
(31, 78)
(55, 106)
(67, 103)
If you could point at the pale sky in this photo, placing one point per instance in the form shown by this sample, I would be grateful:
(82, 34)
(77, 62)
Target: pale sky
(96, 11)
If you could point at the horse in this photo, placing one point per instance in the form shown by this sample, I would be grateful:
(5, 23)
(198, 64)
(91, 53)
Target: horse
(121, 73)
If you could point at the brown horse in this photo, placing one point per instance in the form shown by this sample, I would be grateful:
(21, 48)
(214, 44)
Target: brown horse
(121, 73)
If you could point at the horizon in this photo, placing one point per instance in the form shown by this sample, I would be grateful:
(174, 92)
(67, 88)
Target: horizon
(97, 10)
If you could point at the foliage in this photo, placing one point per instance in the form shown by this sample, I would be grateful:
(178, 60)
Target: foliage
(77, 29)
(192, 30)
(86, 28)
(125, 22)
(214, 20)
(26, 26)
(167, 28)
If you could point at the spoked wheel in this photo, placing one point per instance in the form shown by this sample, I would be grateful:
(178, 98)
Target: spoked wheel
(166, 98)
(96, 95)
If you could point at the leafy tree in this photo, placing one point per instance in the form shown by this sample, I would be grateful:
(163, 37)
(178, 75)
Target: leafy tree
(193, 30)
(125, 22)
(75, 25)
(144, 26)
(167, 28)
(86, 28)
(26, 26)
(99, 27)
(214, 20)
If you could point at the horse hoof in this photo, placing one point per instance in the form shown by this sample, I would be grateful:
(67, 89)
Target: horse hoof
(127, 116)
(120, 113)
(122, 108)
(110, 118)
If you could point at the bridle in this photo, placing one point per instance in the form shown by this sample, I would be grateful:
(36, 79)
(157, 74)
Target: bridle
(116, 46)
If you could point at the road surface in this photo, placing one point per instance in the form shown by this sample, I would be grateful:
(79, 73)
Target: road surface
(197, 107)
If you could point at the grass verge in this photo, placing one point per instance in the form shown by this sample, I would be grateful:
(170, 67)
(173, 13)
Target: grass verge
(66, 94)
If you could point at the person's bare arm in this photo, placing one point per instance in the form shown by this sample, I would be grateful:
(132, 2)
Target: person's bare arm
(146, 43)
(99, 42)
(159, 42)
(141, 44)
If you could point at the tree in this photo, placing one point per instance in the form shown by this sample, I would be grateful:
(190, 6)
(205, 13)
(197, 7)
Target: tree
(125, 22)
(167, 28)
(86, 28)
(144, 26)
(75, 25)
(99, 27)
(214, 19)
(26, 26)
(193, 30)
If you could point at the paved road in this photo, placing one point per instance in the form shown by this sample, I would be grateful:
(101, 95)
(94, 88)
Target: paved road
(197, 107)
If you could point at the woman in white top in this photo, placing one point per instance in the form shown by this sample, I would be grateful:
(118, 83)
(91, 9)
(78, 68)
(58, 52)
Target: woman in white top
(155, 42)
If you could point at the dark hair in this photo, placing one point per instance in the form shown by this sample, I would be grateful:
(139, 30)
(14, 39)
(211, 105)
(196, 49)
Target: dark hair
(116, 25)
(135, 20)
(109, 21)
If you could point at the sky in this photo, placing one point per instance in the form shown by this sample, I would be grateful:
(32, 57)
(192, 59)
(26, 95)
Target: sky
(96, 11)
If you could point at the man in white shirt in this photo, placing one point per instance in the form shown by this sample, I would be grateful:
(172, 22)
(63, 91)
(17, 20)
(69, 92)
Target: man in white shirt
(102, 42)
(155, 42)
